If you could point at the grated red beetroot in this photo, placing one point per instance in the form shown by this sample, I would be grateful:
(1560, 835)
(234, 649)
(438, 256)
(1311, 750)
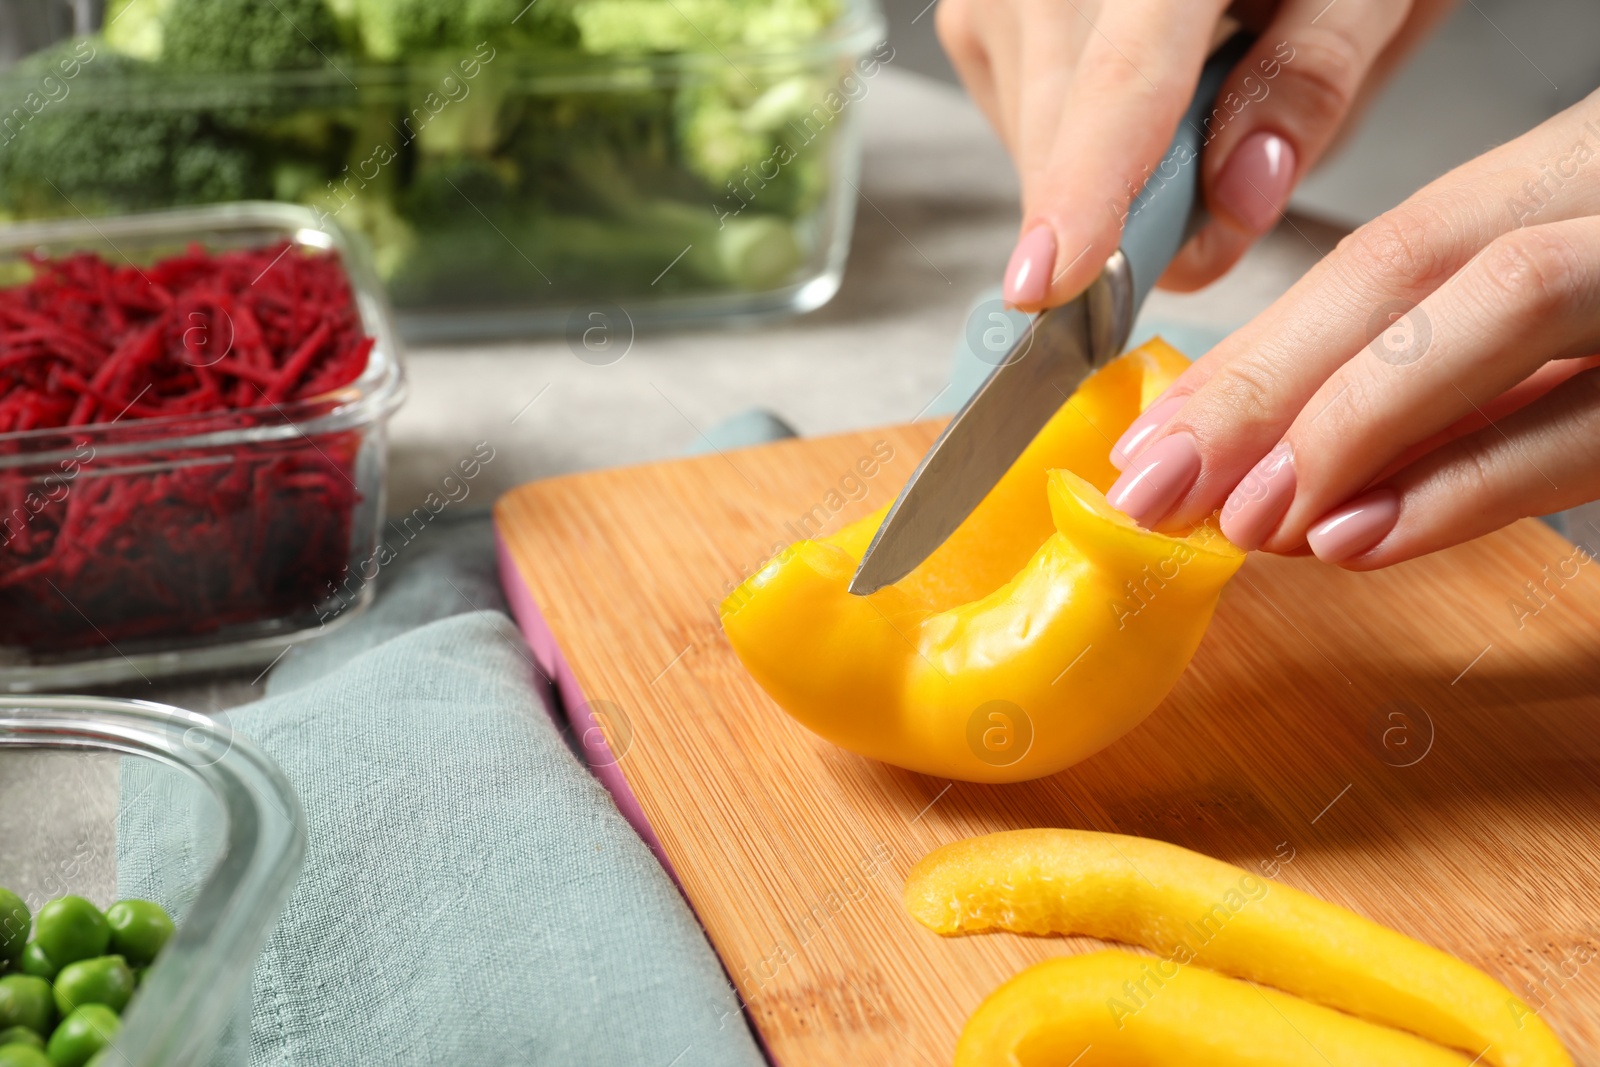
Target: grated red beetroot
(167, 543)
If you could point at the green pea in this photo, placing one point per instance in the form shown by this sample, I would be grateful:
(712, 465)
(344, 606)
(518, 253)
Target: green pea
(81, 1034)
(26, 1001)
(14, 924)
(36, 963)
(23, 1056)
(20, 1035)
(102, 980)
(138, 930)
(71, 929)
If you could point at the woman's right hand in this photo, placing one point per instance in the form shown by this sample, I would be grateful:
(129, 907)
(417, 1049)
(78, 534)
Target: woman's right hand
(1086, 95)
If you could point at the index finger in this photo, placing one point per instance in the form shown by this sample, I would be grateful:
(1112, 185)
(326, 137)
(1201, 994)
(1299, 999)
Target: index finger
(1138, 67)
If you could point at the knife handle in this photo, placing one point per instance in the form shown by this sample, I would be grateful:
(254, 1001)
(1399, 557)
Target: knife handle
(1168, 209)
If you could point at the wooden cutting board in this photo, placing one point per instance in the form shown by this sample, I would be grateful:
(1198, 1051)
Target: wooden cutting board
(1421, 745)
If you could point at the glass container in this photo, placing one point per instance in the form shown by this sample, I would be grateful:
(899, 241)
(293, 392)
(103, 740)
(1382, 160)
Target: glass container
(266, 519)
(643, 173)
(200, 819)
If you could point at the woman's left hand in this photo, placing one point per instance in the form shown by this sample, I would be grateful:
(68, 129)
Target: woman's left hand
(1427, 382)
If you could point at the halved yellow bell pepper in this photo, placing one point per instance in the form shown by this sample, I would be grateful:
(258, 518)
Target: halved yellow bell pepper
(1047, 626)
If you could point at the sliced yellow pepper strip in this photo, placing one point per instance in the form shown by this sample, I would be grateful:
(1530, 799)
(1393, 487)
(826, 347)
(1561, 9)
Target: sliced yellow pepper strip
(1118, 1008)
(1046, 627)
(1190, 908)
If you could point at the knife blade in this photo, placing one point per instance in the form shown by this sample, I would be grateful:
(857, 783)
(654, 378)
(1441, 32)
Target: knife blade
(1048, 361)
(1060, 348)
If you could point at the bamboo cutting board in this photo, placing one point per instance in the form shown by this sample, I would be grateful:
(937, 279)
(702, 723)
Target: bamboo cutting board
(1421, 745)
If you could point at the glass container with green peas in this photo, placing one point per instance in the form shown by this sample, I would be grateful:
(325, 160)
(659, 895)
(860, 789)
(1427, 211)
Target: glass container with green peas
(197, 795)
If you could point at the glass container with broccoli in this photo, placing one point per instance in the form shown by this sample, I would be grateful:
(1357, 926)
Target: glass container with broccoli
(509, 163)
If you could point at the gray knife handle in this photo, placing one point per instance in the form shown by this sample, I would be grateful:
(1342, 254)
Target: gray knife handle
(1168, 208)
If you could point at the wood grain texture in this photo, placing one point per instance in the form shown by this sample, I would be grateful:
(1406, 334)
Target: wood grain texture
(1420, 745)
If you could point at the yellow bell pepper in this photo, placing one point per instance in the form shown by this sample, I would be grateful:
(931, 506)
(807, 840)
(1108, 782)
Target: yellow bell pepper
(1118, 1008)
(1193, 910)
(1046, 627)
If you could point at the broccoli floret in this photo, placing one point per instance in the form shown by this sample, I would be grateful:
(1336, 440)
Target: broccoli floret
(644, 26)
(757, 145)
(133, 27)
(732, 120)
(104, 161)
(96, 151)
(217, 36)
(785, 22)
(193, 51)
(208, 36)
(396, 29)
(391, 28)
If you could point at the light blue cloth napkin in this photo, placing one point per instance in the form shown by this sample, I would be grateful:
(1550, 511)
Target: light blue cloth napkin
(470, 894)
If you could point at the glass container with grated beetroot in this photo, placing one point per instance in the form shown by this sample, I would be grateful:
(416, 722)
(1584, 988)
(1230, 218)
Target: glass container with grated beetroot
(192, 440)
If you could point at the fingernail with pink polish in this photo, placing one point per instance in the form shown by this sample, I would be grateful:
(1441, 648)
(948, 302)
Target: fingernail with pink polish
(1028, 274)
(1258, 503)
(1155, 481)
(1256, 181)
(1142, 429)
(1356, 528)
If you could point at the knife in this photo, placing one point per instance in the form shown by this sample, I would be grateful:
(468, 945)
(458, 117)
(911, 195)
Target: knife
(1060, 347)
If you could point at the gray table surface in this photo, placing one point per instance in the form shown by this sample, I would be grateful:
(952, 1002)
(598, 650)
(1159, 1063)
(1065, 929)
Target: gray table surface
(936, 220)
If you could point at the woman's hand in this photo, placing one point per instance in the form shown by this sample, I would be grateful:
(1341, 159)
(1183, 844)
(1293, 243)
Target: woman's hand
(1429, 381)
(1087, 95)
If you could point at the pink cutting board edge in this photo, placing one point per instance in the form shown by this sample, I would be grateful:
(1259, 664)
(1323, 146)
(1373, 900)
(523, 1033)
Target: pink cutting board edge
(536, 632)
